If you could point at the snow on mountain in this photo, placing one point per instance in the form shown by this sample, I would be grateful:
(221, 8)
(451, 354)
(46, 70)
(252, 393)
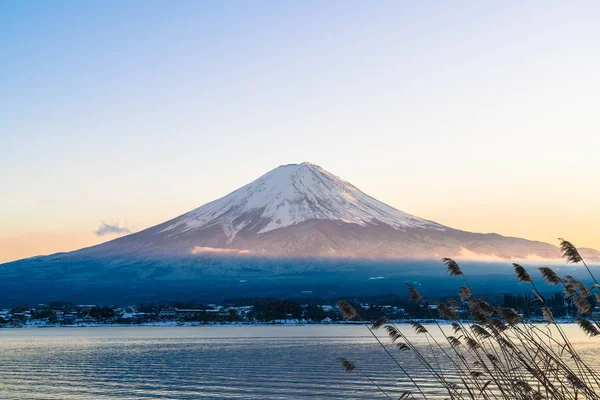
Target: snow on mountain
(292, 194)
(301, 210)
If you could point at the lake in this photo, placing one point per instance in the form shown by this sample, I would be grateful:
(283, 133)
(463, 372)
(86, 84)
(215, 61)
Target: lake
(246, 362)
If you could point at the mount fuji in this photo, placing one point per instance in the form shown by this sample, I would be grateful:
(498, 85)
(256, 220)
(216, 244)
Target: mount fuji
(298, 230)
(302, 210)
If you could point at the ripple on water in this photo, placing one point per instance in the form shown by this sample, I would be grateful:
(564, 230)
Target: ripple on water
(195, 362)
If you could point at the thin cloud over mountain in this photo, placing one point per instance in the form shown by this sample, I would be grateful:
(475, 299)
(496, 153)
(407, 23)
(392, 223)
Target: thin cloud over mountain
(112, 229)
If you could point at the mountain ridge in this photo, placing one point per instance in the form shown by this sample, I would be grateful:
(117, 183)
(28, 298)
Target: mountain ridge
(302, 210)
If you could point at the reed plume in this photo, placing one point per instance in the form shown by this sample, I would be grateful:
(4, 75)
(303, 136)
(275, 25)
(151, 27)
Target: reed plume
(402, 346)
(509, 315)
(497, 325)
(446, 312)
(454, 341)
(480, 332)
(414, 293)
(569, 251)
(465, 293)
(522, 273)
(348, 312)
(589, 328)
(582, 304)
(452, 267)
(496, 355)
(456, 326)
(393, 333)
(452, 303)
(418, 327)
(550, 276)
(348, 365)
(480, 310)
(571, 254)
(379, 323)
(547, 314)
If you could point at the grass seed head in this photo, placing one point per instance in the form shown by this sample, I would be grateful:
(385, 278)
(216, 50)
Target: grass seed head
(589, 328)
(465, 293)
(414, 293)
(348, 312)
(550, 276)
(509, 315)
(452, 267)
(418, 327)
(446, 312)
(569, 251)
(379, 323)
(522, 274)
(347, 364)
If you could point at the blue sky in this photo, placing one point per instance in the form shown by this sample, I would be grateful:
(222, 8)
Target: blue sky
(473, 114)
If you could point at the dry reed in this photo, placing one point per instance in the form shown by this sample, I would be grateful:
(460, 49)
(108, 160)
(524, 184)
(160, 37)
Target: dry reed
(497, 354)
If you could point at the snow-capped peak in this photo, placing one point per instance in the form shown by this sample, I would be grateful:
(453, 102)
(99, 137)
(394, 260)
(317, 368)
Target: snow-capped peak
(292, 194)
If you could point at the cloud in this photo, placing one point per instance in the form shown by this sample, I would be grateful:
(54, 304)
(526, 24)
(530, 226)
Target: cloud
(217, 250)
(112, 229)
(466, 254)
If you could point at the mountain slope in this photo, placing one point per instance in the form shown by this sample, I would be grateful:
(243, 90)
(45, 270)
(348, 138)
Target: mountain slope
(301, 210)
(290, 195)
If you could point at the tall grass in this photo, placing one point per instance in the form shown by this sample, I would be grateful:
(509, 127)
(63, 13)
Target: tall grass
(496, 355)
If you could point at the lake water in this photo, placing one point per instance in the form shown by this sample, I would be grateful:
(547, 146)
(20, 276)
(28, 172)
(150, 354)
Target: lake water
(248, 362)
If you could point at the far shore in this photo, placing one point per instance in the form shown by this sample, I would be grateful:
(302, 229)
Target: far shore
(220, 324)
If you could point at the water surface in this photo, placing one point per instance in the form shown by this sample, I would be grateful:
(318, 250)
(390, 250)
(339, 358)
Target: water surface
(245, 362)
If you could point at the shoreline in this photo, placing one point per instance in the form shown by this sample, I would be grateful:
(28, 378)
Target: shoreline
(246, 324)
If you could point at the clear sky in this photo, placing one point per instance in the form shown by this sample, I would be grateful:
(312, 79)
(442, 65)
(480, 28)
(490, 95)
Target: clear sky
(483, 116)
